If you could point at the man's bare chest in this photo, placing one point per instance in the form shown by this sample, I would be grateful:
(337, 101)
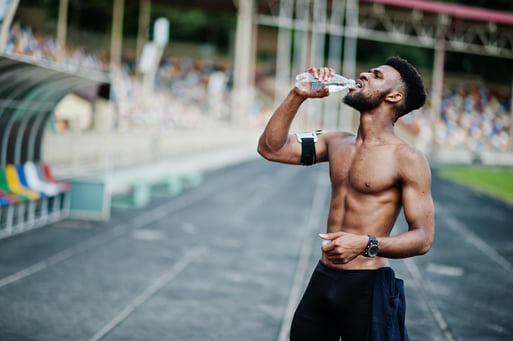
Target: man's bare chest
(365, 171)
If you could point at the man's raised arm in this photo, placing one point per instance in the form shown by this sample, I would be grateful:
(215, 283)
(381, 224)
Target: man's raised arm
(276, 143)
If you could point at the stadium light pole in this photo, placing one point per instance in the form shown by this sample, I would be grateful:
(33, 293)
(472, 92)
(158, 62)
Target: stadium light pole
(143, 27)
(335, 29)
(62, 26)
(116, 40)
(283, 53)
(436, 91)
(350, 45)
(437, 83)
(243, 70)
(315, 114)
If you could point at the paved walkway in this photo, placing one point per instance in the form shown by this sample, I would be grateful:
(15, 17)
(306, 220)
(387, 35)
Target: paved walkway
(228, 261)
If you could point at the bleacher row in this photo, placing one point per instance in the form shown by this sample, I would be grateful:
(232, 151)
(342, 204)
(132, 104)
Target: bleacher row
(30, 197)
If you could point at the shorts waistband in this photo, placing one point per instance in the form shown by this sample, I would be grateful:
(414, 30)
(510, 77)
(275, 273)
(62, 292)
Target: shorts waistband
(334, 272)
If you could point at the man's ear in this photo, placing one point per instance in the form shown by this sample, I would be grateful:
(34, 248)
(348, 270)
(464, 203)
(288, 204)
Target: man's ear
(394, 97)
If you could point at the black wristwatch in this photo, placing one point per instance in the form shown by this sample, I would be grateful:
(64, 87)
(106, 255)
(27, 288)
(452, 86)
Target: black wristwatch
(372, 247)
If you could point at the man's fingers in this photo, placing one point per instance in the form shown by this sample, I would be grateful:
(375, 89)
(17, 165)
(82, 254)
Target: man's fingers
(322, 73)
(331, 235)
(328, 248)
(322, 92)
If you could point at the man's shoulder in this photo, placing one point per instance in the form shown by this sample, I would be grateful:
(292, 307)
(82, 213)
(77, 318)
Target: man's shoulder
(339, 135)
(411, 162)
(407, 152)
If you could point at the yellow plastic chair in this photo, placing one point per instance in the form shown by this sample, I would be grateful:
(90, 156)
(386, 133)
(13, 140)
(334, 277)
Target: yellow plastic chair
(15, 185)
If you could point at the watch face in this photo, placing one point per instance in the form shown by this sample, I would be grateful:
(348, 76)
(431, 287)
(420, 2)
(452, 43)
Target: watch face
(373, 250)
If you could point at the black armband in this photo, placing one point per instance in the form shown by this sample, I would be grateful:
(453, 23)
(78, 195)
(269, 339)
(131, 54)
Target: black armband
(307, 141)
(307, 151)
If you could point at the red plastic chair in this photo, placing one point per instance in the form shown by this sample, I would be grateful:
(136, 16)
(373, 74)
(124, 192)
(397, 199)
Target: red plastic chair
(65, 186)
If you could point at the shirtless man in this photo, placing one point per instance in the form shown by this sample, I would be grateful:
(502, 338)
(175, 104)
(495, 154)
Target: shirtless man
(373, 175)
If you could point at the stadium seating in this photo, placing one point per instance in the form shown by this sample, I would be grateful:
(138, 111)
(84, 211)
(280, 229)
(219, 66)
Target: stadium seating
(28, 200)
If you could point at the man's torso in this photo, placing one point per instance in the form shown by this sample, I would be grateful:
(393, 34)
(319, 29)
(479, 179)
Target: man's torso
(366, 190)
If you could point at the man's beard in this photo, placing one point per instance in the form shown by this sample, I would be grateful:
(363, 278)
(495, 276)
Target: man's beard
(363, 103)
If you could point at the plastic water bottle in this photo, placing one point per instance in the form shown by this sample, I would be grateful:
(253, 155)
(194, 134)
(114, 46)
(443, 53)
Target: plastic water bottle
(307, 82)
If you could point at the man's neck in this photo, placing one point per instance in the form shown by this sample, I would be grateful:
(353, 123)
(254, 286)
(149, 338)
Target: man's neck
(375, 128)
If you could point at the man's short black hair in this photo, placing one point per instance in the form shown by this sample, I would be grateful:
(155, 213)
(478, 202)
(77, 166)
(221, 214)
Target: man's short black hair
(415, 96)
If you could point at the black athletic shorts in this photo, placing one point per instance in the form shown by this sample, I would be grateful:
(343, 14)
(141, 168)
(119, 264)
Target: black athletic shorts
(337, 305)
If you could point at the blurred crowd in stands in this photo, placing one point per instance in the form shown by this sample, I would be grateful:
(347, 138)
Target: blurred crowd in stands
(35, 47)
(473, 116)
(185, 89)
(476, 117)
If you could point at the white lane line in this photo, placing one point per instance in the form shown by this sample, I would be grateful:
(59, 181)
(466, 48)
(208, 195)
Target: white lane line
(423, 288)
(144, 219)
(151, 290)
(473, 239)
(148, 235)
(312, 226)
(445, 270)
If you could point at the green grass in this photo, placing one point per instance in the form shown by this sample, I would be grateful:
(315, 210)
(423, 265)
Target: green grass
(496, 182)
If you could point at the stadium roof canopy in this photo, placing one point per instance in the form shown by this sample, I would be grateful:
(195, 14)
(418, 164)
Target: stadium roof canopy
(467, 29)
(29, 94)
(453, 10)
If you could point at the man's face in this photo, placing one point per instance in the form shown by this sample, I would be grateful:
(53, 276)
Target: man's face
(371, 88)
